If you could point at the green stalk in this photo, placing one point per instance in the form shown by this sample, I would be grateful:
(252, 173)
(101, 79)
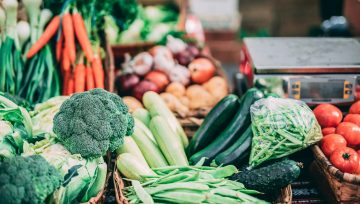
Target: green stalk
(33, 11)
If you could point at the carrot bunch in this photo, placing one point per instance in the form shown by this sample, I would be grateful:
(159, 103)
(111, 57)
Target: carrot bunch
(81, 69)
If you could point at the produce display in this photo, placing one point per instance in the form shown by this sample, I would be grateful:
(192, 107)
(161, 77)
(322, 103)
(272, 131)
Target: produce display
(59, 161)
(64, 138)
(186, 80)
(341, 136)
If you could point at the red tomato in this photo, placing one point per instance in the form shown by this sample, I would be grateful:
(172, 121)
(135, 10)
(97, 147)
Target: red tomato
(158, 78)
(331, 142)
(350, 132)
(345, 159)
(328, 115)
(358, 170)
(355, 108)
(353, 118)
(201, 70)
(328, 131)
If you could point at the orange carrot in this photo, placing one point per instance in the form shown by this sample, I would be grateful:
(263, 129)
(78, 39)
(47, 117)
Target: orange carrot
(79, 76)
(68, 29)
(65, 60)
(70, 85)
(45, 37)
(98, 72)
(59, 47)
(66, 76)
(81, 35)
(89, 79)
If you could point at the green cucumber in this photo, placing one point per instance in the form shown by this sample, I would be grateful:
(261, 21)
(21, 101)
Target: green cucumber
(269, 178)
(214, 123)
(238, 152)
(234, 129)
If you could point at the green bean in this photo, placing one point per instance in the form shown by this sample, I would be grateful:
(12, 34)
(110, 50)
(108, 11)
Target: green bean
(141, 193)
(182, 196)
(216, 199)
(177, 186)
(223, 172)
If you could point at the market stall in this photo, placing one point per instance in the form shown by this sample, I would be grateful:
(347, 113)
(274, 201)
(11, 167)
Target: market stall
(95, 107)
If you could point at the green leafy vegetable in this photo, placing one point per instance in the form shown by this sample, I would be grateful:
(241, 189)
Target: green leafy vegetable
(281, 127)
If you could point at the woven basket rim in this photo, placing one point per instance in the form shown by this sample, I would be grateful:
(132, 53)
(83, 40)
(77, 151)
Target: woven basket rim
(325, 163)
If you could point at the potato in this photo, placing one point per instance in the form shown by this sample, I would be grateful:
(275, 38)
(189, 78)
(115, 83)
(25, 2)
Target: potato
(217, 87)
(176, 89)
(132, 103)
(174, 104)
(199, 97)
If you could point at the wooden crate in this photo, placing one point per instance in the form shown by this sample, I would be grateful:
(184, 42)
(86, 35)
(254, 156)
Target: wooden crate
(285, 196)
(338, 187)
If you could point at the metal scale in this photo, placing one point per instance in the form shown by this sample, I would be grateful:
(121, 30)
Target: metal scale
(315, 70)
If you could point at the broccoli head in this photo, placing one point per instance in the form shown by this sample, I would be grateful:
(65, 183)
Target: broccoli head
(27, 180)
(93, 122)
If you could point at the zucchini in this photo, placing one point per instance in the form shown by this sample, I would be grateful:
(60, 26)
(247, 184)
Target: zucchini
(168, 142)
(131, 147)
(131, 168)
(143, 115)
(214, 123)
(149, 148)
(269, 178)
(157, 107)
(238, 152)
(235, 128)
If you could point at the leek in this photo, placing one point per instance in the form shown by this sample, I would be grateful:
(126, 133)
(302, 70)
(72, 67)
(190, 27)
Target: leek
(33, 11)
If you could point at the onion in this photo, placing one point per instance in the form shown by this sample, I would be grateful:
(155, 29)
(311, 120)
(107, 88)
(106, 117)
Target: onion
(125, 83)
(143, 87)
(158, 78)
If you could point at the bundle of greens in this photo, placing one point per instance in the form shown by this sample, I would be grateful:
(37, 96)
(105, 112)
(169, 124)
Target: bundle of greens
(41, 79)
(15, 127)
(191, 184)
(152, 24)
(281, 127)
(13, 36)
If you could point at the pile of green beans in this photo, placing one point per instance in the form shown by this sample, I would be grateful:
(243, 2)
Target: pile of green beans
(191, 184)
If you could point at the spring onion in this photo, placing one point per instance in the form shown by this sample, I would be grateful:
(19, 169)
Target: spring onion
(23, 32)
(33, 11)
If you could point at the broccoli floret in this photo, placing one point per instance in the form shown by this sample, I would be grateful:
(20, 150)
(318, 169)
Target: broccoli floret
(93, 122)
(27, 180)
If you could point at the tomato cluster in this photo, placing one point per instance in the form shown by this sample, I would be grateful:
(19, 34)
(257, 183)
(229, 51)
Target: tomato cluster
(341, 141)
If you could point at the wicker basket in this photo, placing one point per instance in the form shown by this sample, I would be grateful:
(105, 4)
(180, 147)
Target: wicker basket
(285, 196)
(337, 186)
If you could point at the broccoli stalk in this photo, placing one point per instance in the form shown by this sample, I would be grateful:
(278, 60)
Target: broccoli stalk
(93, 122)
